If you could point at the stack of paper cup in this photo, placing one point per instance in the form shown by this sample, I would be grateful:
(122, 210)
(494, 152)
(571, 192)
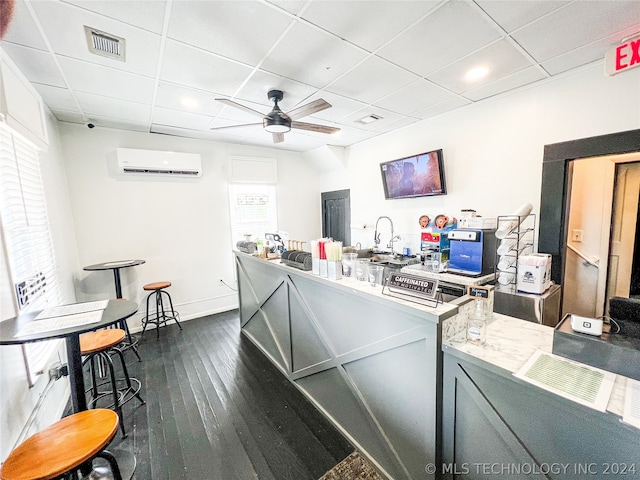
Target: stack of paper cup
(507, 227)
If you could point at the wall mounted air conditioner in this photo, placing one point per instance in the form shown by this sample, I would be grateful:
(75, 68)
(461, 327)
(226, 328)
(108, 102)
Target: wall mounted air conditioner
(154, 162)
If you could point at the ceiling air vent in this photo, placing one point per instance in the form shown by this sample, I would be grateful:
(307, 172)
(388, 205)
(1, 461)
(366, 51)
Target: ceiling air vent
(105, 44)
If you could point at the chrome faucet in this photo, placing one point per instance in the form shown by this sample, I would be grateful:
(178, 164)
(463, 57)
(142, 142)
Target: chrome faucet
(376, 235)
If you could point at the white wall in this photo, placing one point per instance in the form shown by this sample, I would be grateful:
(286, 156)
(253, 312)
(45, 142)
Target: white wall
(180, 226)
(492, 150)
(17, 400)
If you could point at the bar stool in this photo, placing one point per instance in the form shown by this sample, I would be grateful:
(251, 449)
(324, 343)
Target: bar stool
(162, 316)
(102, 344)
(64, 447)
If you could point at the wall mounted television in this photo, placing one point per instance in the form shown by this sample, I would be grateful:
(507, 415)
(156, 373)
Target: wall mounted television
(415, 176)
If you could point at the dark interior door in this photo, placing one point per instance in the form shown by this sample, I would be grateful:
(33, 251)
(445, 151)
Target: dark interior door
(336, 216)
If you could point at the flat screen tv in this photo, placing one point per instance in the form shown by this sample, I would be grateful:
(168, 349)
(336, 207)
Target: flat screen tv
(415, 176)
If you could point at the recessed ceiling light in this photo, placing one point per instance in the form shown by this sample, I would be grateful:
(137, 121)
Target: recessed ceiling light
(369, 119)
(477, 73)
(189, 102)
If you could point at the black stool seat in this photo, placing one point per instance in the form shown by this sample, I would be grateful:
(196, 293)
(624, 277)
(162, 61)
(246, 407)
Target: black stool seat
(162, 315)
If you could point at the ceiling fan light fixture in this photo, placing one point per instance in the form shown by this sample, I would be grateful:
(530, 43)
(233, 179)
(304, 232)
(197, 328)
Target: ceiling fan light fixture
(276, 124)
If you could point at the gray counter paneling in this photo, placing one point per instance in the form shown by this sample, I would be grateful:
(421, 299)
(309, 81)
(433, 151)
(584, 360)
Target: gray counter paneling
(371, 364)
(497, 426)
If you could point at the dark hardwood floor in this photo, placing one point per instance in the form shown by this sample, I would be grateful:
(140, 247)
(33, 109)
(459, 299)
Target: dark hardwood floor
(216, 408)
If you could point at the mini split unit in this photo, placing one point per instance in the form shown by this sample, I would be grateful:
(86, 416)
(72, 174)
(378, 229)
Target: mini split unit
(152, 162)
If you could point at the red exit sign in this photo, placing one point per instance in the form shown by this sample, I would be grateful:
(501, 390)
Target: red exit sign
(623, 57)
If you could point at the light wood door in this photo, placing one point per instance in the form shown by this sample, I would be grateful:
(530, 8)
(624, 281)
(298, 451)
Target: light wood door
(623, 229)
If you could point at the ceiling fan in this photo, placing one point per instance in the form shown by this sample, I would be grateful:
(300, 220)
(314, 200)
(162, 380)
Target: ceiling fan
(277, 122)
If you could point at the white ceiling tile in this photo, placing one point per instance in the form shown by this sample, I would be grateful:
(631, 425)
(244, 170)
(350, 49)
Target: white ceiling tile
(454, 30)
(196, 68)
(66, 116)
(108, 82)
(113, 108)
(441, 108)
(256, 88)
(37, 65)
(504, 84)
(501, 58)
(291, 6)
(575, 25)
(353, 21)
(226, 27)
(371, 80)
(416, 96)
(171, 96)
(236, 129)
(147, 14)
(176, 118)
(331, 56)
(511, 15)
(23, 29)
(141, 47)
(57, 98)
(578, 57)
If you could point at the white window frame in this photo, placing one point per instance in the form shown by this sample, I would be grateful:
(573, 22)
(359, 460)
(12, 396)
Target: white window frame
(255, 222)
(26, 237)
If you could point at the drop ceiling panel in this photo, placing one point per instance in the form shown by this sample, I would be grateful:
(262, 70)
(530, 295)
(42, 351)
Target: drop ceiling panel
(501, 58)
(371, 80)
(66, 116)
(386, 117)
(192, 67)
(353, 20)
(454, 30)
(176, 118)
(442, 107)
(147, 14)
(38, 66)
(576, 25)
(331, 56)
(113, 108)
(242, 30)
(109, 82)
(57, 98)
(523, 77)
(513, 15)
(199, 102)
(141, 47)
(416, 96)
(256, 88)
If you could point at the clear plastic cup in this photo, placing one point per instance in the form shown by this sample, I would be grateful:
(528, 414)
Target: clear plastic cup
(375, 274)
(348, 264)
(361, 269)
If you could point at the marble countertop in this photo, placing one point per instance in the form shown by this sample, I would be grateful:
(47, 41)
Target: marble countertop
(510, 343)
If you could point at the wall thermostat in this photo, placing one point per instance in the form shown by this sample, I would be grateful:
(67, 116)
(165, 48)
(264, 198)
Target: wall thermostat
(592, 326)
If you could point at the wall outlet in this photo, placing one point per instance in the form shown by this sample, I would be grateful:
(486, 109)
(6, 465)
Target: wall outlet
(576, 235)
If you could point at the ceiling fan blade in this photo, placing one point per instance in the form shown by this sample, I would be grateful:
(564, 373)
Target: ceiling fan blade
(237, 126)
(233, 104)
(313, 127)
(278, 137)
(309, 109)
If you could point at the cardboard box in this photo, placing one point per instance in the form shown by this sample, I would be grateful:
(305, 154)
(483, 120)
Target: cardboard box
(534, 273)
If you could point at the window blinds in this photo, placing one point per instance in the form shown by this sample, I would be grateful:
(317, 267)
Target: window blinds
(253, 210)
(27, 237)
